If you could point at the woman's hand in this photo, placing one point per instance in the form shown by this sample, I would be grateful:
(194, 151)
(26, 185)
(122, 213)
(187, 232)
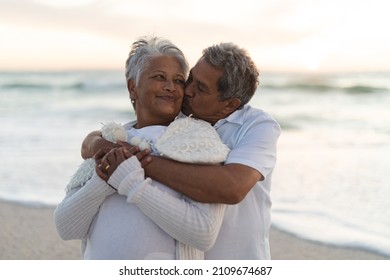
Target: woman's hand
(108, 161)
(144, 156)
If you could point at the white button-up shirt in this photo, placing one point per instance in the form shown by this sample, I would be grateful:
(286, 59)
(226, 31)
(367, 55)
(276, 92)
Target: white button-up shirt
(251, 134)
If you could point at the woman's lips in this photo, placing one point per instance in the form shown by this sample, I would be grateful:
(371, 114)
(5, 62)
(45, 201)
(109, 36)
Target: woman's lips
(168, 98)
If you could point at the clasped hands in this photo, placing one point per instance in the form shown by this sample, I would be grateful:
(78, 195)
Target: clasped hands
(108, 159)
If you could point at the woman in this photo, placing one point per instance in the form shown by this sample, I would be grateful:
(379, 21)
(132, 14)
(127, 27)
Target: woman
(111, 224)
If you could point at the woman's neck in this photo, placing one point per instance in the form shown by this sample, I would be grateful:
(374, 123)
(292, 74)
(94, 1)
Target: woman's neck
(145, 124)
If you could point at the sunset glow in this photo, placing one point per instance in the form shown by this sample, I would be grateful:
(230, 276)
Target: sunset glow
(297, 35)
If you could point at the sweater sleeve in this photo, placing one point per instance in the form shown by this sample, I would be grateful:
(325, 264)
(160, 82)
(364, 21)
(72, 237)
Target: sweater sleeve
(193, 223)
(74, 215)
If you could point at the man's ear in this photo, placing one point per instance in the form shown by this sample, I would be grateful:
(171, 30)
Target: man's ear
(232, 105)
(132, 89)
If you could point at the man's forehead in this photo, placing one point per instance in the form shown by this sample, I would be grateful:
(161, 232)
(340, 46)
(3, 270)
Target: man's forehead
(205, 72)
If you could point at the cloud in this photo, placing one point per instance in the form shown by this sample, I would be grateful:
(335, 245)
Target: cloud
(120, 19)
(65, 3)
(275, 32)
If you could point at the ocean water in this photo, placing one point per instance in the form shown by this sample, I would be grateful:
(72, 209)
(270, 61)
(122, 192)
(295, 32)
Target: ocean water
(331, 183)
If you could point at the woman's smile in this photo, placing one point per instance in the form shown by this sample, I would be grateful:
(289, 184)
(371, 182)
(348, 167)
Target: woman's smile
(168, 98)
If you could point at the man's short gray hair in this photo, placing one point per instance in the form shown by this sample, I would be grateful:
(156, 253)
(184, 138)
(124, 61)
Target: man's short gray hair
(146, 48)
(240, 74)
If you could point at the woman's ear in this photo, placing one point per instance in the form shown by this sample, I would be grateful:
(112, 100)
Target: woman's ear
(132, 89)
(232, 105)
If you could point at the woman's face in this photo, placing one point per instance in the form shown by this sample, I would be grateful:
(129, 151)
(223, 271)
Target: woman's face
(159, 93)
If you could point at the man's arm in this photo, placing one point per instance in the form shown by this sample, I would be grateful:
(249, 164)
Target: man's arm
(93, 143)
(226, 184)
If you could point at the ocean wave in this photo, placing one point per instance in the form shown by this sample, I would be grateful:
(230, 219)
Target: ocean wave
(309, 87)
(76, 86)
(78, 81)
(100, 81)
(364, 89)
(300, 86)
(25, 86)
(329, 228)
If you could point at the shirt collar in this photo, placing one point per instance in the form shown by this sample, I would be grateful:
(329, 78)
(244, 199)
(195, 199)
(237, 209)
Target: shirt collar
(237, 117)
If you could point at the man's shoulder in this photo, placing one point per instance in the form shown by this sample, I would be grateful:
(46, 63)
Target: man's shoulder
(258, 121)
(253, 114)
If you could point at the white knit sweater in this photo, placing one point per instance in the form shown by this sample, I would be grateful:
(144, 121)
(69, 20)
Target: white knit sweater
(194, 225)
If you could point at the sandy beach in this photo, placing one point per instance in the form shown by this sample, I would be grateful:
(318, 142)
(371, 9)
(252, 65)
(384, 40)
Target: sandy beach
(28, 233)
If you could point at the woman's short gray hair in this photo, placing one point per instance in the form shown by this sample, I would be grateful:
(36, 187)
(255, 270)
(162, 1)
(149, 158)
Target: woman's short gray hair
(240, 74)
(144, 49)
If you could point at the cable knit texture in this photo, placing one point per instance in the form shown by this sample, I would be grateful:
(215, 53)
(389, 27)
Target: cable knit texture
(131, 171)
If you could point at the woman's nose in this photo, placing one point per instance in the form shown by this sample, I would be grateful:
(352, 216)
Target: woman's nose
(169, 85)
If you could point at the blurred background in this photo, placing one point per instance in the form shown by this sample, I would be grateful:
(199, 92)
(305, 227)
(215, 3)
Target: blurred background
(325, 76)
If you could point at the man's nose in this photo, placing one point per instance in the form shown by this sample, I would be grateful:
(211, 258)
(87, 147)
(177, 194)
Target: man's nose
(188, 90)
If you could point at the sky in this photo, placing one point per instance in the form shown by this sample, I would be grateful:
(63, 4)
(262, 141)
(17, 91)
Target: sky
(283, 36)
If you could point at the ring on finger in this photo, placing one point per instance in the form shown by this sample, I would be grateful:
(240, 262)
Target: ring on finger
(107, 167)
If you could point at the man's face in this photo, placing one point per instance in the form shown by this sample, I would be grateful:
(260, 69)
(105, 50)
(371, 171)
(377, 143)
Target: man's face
(201, 96)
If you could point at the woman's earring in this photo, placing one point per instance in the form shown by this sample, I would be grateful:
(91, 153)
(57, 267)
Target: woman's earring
(131, 99)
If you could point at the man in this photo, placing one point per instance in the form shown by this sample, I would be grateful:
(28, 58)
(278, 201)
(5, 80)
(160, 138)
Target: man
(218, 89)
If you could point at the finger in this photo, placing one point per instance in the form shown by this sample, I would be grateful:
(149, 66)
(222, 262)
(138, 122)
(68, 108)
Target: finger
(101, 153)
(126, 153)
(146, 161)
(107, 161)
(103, 167)
(129, 152)
(110, 157)
(119, 155)
(112, 160)
(144, 157)
(100, 173)
(140, 155)
(124, 144)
